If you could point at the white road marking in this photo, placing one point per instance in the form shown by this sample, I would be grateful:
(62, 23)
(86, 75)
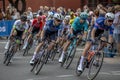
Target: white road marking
(37, 78)
(3, 42)
(64, 75)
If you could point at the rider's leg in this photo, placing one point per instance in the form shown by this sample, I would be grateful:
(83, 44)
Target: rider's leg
(87, 47)
(64, 50)
(36, 52)
(14, 33)
(27, 41)
(79, 40)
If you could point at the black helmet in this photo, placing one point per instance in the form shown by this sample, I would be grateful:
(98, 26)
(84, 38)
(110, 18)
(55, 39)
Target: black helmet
(23, 18)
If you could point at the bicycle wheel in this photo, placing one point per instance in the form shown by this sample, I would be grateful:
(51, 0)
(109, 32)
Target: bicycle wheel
(6, 56)
(39, 64)
(70, 56)
(95, 65)
(53, 54)
(10, 55)
(84, 66)
(26, 50)
(34, 65)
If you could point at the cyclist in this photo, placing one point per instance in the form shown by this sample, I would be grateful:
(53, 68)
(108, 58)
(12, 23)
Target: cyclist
(102, 23)
(64, 31)
(80, 24)
(35, 29)
(19, 29)
(50, 29)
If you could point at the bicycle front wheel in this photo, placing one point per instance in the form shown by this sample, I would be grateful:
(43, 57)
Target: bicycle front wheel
(70, 57)
(95, 65)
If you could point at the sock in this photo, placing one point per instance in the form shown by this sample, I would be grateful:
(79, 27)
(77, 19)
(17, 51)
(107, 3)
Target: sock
(34, 55)
(81, 60)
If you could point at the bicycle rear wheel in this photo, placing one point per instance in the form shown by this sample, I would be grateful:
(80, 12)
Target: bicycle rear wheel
(95, 65)
(70, 57)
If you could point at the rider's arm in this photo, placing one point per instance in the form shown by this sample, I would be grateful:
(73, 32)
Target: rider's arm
(93, 33)
(85, 30)
(43, 31)
(71, 30)
(110, 40)
(25, 31)
(14, 26)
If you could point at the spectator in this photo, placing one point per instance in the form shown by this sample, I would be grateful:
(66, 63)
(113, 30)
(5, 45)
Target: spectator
(8, 14)
(29, 13)
(117, 27)
(15, 14)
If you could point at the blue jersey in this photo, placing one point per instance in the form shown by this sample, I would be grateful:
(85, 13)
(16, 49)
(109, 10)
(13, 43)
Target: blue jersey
(50, 27)
(76, 25)
(99, 24)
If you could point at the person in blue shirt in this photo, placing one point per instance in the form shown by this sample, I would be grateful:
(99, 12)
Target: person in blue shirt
(102, 24)
(50, 30)
(78, 27)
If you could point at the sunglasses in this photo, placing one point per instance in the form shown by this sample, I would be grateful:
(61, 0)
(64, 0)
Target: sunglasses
(58, 20)
(110, 20)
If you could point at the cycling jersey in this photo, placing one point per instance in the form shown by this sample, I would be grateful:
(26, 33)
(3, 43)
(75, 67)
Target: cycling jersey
(50, 27)
(19, 26)
(79, 26)
(51, 30)
(37, 25)
(72, 20)
(99, 25)
(65, 28)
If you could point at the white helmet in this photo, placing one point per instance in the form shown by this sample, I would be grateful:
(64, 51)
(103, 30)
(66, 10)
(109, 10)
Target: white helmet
(109, 16)
(67, 17)
(50, 14)
(58, 16)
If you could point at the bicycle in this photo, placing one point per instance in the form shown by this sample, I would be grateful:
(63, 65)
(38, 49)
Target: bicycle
(40, 59)
(93, 60)
(11, 50)
(29, 45)
(67, 60)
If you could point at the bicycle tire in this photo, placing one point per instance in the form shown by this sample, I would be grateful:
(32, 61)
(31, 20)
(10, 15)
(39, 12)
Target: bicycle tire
(39, 64)
(10, 55)
(34, 66)
(5, 57)
(92, 63)
(54, 52)
(25, 51)
(70, 57)
(47, 55)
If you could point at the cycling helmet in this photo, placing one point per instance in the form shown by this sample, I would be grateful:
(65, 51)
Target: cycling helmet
(23, 18)
(83, 15)
(50, 14)
(67, 18)
(109, 16)
(58, 16)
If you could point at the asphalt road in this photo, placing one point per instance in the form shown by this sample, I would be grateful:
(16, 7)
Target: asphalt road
(20, 69)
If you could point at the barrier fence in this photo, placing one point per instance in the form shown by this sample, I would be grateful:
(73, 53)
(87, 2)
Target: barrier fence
(5, 27)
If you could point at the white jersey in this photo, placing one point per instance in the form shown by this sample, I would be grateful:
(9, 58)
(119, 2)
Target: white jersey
(19, 26)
